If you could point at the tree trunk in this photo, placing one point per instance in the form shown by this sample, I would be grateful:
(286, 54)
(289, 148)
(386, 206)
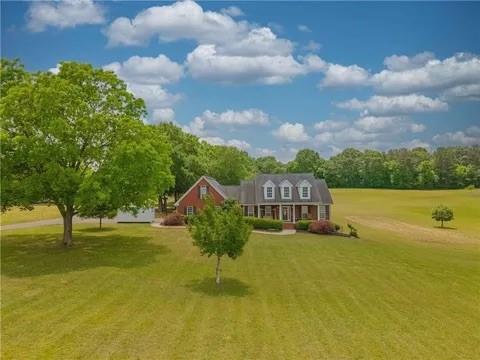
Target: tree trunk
(175, 196)
(67, 226)
(442, 223)
(217, 271)
(100, 223)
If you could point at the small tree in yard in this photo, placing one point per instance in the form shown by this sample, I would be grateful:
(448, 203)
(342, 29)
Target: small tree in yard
(219, 232)
(442, 213)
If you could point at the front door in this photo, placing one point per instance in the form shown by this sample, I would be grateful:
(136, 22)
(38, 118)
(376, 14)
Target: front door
(286, 213)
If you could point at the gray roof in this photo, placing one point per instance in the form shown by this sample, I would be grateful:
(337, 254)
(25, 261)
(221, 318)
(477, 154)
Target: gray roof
(251, 191)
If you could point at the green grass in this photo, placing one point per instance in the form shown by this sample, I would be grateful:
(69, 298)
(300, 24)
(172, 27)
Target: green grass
(133, 291)
(40, 212)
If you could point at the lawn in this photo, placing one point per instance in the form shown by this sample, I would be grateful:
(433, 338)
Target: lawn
(133, 291)
(40, 212)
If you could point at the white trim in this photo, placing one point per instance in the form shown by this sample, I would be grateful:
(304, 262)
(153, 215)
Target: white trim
(252, 207)
(194, 185)
(203, 195)
(189, 208)
(268, 184)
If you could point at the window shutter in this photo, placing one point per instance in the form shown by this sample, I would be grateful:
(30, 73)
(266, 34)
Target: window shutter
(194, 209)
(199, 193)
(185, 210)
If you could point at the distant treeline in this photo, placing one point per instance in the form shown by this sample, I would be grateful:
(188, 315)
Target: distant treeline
(444, 168)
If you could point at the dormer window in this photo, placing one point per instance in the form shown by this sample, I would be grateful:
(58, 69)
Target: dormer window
(304, 190)
(286, 189)
(269, 190)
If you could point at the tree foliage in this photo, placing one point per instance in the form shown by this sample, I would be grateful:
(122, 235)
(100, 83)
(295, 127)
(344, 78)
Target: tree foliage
(442, 213)
(78, 130)
(219, 232)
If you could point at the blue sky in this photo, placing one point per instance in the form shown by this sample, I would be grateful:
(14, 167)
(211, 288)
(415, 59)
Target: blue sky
(274, 77)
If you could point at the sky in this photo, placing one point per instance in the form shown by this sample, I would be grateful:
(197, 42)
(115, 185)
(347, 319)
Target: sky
(275, 77)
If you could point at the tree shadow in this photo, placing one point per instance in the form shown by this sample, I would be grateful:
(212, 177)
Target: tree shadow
(39, 254)
(96, 230)
(227, 287)
(444, 227)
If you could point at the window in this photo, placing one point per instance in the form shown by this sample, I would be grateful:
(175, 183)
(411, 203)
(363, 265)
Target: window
(322, 212)
(268, 210)
(189, 210)
(305, 192)
(250, 210)
(304, 212)
(203, 192)
(269, 193)
(286, 189)
(286, 193)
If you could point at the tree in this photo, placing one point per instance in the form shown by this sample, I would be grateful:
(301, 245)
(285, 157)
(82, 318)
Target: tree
(12, 72)
(219, 232)
(60, 131)
(227, 164)
(442, 213)
(306, 161)
(269, 165)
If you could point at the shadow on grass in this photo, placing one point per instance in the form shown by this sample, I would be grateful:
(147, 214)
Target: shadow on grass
(96, 230)
(445, 227)
(40, 254)
(227, 287)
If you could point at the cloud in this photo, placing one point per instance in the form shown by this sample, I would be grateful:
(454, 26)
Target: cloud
(415, 143)
(180, 20)
(147, 70)
(460, 69)
(470, 136)
(463, 92)
(304, 28)
(330, 125)
(201, 125)
(155, 96)
(63, 14)
(312, 46)
(207, 64)
(402, 62)
(390, 124)
(265, 152)
(232, 11)
(341, 76)
(215, 140)
(163, 115)
(292, 133)
(394, 105)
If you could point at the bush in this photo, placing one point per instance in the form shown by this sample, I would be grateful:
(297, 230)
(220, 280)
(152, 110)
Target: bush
(173, 219)
(470, 187)
(353, 231)
(303, 224)
(322, 227)
(264, 224)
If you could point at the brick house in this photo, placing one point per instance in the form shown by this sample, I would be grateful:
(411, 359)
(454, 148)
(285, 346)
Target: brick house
(286, 197)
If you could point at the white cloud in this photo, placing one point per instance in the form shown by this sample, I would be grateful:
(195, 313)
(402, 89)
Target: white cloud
(206, 63)
(417, 128)
(232, 11)
(470, 136)
(304, 28)
(460, 69)
(215, 140)
(330, 125)
(155, 96)
(147, 70)
(63, 14)
(314, 63)
(414, 143)
(163, 115)
(180, 20)
(338, 76)
(201, 125)
(265, 152)
(402, 62)
(388, 105)
(463, 92)
(292, 133)
(312, 46)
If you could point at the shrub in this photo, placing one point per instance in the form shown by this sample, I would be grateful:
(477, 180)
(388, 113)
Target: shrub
(353, 231)
(321, 227)
(303, 224)
(264, 224)
(470, 187)
(173, 219)
(442, 213)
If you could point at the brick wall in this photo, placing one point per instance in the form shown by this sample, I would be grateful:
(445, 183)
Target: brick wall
(192, 198)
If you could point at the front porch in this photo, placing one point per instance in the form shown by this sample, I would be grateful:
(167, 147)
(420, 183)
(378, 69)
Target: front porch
(289, 213)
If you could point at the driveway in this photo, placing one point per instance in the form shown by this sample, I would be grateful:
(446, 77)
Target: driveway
(59, 221)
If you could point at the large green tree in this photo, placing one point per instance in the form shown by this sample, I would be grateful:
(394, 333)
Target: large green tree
(306, 161)
(269, 165)
(227, 164)
(61, 131)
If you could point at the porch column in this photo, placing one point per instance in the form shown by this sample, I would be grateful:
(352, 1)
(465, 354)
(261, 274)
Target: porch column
(293, 213)
(318, 212)
(258, 211)
(280, 215)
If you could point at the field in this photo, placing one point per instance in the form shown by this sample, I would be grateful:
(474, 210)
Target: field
(134, 291)
(40, 212)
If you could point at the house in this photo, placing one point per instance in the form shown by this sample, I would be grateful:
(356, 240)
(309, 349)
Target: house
(286, 197)
(143, 216)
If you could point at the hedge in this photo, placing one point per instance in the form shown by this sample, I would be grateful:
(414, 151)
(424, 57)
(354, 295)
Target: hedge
(303, 224)
(264, 224)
